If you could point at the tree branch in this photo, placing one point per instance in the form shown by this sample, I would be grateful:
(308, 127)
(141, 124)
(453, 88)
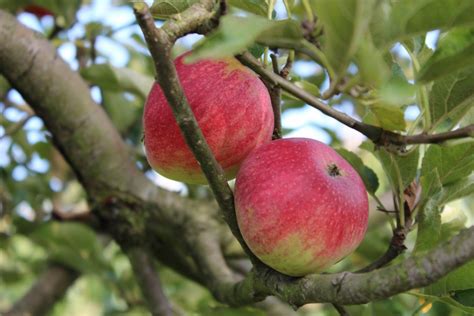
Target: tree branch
(149, 282)
(377, 134)
(130, 208)
(160, 44)
(50, 287)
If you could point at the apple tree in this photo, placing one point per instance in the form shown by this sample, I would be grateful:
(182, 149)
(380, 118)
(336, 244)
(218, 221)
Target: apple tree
(88, 228)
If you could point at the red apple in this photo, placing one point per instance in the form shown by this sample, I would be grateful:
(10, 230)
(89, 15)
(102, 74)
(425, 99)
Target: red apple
(233, 110)
(300, 206)
(37, 10)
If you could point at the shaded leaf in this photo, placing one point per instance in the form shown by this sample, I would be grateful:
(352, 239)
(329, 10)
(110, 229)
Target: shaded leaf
(408, 18)
(369, 177)
(118, 79)
(123, 110)
(459, 279)
(429, 224)
(400, 170)
(344, 22)
(450, 98)
(465, 297)
(373, 69)
(71, 244)
(452, 163)
(455, 52)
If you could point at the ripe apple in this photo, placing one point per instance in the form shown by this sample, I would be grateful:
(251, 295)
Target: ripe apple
(232, 107)
(37, 10)
(300, 206)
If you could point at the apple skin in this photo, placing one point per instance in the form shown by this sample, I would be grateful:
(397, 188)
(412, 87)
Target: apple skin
(300, 206)
(232, 107)
(37, 10)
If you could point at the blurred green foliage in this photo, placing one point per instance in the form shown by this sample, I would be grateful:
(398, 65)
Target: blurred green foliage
(377, 48)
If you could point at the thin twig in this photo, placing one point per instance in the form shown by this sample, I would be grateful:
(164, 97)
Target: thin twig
(395, 248)
(378, 135)
(149, 282)
(275, 97)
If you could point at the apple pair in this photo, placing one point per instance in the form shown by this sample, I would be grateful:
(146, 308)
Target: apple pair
(299, 205)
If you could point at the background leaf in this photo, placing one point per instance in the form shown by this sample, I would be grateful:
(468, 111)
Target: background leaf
(369, 177)
(455, 51)
(408, 18)
(344, 22)
(259, 7)
(118, 79)
(450, 98)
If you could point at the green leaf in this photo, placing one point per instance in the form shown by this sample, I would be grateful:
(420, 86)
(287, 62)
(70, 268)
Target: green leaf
(345, 23)
(373, 69)
(123, 110)
(397, 91)
(163, 9)
(233, 36)
(452, 163)
(457, 190)
(118, 79)
(408, 18)
(236, 33)
(465, 297)
(259, 7)
(457, 280)
(455, 52)
(64, 10)
(385, 115)
(71, 244)
(450, 98)
(447, 299)
(369, 177)
(308, 87)
(400, 170)
(4, 87)
(282, 33)
(429, 225)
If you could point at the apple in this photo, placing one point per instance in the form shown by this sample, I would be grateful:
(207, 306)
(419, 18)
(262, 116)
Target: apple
(37, 10)
(232, 107)
(300, 206)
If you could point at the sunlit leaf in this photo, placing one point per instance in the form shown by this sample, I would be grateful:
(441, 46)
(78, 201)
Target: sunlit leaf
(236, 33)
(259, 7)
(163, 9)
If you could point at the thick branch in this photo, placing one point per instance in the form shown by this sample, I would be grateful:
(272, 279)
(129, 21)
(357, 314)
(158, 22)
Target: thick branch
(353, 288)
(50, 287)
(131, 209)
(149, 282)
(201, 17)
(377, 134)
